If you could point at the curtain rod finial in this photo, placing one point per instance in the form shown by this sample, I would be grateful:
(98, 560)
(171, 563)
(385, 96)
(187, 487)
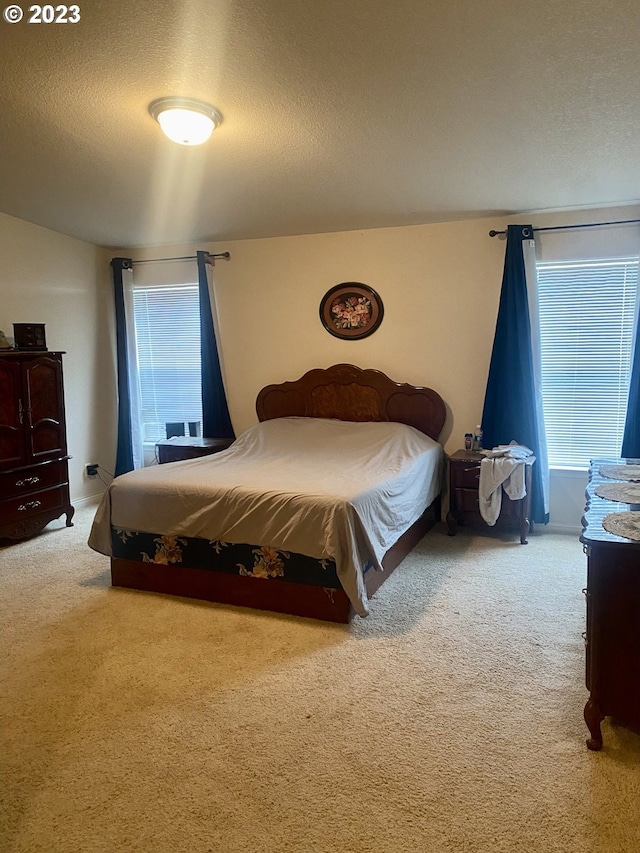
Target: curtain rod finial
(211, 257)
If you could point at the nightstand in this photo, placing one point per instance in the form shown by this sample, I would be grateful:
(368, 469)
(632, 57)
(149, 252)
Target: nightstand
(185, 447)
(464, 480)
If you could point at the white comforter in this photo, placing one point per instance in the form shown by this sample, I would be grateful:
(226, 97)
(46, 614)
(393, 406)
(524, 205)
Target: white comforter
(325, 488)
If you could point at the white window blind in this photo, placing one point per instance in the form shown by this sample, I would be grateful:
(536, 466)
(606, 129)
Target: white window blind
(587, 313)
(167, 322)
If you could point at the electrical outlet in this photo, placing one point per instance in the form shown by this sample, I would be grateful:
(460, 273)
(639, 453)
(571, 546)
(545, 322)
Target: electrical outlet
(92, 470)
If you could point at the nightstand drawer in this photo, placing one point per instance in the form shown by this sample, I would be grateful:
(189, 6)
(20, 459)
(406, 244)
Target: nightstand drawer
(466, 500)
(465, 476)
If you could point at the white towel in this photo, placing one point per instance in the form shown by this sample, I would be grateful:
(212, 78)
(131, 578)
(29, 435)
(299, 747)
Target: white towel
(516, 451)
(498, 473)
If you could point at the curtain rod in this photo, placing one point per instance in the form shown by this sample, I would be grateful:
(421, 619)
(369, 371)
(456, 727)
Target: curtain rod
(566, 227)
(225, 255)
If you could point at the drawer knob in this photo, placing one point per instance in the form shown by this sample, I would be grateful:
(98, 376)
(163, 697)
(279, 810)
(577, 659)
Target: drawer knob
(29, 505)
(28, 481)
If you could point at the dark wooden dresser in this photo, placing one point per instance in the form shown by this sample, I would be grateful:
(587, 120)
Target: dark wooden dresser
(464, 479)
(34, 477)
(612, 638)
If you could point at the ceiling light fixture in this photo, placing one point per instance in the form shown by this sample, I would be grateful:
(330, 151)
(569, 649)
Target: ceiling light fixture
(185, 120)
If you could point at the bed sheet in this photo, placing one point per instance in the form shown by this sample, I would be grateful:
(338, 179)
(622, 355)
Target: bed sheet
(326, 488)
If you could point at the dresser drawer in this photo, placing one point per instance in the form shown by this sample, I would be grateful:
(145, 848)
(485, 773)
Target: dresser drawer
(17, 483)
(19, 508)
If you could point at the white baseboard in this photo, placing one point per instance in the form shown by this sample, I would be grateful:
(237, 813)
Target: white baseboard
(91, 500)
(574, 530)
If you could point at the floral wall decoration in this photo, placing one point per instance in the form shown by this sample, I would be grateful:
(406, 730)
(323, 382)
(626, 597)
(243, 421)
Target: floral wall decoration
(351, 310)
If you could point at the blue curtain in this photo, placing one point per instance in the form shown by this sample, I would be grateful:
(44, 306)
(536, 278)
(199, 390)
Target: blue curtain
(631, 439)
(510, 410)
(216, 422)
(124, 453)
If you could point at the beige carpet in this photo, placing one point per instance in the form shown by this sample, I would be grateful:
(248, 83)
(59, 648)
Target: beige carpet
(449, 720)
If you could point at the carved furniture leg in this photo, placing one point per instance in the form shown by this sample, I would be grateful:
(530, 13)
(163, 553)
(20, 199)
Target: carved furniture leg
(69, 515)
(524, 530)
(593, 716)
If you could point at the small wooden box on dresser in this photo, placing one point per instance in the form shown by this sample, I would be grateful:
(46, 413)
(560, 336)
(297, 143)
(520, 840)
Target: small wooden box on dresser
(612, 638)
(34, 476)
(464, 481)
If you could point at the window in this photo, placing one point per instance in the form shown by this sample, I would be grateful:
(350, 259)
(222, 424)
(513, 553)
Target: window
(587, 313)
(167, 323)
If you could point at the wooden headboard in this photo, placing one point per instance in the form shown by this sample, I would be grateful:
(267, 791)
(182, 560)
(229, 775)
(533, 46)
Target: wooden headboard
(348, 393)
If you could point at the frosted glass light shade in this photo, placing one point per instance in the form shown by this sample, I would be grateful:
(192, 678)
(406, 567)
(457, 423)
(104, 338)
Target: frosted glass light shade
(185, 120)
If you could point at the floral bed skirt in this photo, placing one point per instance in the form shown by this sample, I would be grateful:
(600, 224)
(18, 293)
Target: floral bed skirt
(256, 561)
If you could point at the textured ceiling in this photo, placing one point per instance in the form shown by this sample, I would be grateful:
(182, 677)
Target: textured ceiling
(338, 114)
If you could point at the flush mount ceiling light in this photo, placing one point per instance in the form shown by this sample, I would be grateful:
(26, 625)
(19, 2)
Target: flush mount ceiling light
(185, 120)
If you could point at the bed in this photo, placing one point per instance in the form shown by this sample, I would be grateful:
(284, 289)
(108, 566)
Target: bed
(306, 513)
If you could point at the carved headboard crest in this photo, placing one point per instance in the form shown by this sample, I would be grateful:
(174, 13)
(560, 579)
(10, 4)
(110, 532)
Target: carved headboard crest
(349, 393)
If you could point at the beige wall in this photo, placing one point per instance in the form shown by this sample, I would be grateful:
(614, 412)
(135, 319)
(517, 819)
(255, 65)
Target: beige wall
(440, 285)
(64, 283)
